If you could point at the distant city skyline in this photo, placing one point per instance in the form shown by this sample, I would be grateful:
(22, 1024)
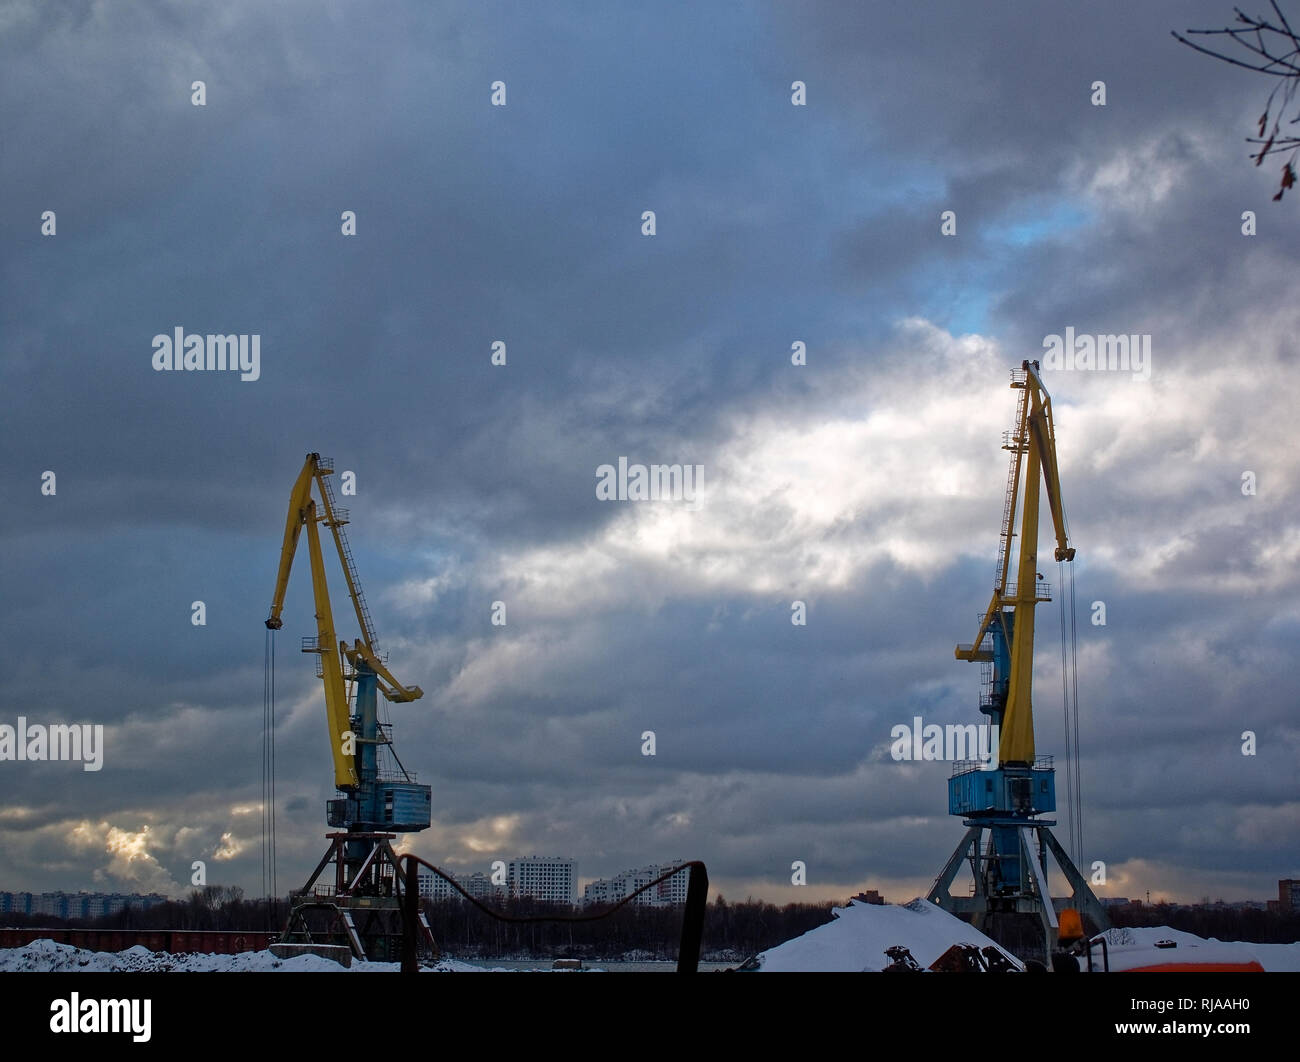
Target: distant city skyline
(75, 905)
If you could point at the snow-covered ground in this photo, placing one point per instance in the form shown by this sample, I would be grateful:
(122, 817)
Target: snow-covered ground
(1136, 947)
(856, 940)
(47, 956)
(860, 933)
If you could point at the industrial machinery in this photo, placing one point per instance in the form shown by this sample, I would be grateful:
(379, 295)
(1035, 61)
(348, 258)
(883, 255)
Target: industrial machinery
(360, 907)
(1005, 798)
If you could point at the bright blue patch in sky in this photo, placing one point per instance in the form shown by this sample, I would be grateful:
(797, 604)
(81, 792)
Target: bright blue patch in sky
(962, 303)
(960, 309)
(968, 313)
(1062, 218)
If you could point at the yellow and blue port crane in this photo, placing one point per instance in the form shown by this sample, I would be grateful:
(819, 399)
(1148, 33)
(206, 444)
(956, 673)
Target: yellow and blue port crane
(1000, 801)
(360, 907)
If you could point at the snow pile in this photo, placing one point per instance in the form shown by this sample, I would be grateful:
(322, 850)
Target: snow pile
(1136, 946)
(857, 939)
(861, 932)
(48, 957)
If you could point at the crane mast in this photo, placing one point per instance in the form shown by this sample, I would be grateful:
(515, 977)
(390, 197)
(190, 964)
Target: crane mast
(373, 805)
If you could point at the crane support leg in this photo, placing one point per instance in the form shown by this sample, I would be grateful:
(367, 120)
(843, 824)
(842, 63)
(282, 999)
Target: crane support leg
(1085, 900)
(939, 892)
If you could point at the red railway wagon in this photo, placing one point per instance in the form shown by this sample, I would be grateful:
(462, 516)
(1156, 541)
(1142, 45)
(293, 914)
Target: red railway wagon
(176, 941)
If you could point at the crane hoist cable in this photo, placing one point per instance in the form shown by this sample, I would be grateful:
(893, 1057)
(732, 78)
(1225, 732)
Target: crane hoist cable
(1076, 794)
(1074, 704)
(270, 885)
(1070, 710)
(1072, 812)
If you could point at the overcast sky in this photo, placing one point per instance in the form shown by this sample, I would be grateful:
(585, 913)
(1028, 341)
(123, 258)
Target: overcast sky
(867, 483)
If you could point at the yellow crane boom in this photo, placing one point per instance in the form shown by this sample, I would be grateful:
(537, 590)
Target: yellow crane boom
(336, 698)
(1032, 443)
(303, 513)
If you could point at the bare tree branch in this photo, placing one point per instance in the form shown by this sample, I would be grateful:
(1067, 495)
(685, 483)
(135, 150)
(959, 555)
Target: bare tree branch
(1279, 47)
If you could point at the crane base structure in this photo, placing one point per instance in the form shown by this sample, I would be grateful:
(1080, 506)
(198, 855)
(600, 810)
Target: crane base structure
(362, 909)
(1011, 884)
